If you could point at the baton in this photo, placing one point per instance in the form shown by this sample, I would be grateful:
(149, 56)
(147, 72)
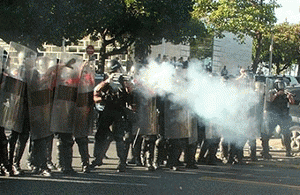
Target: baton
(136, 136)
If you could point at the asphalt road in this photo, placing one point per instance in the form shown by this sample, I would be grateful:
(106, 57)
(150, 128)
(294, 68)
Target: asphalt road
(262, 177)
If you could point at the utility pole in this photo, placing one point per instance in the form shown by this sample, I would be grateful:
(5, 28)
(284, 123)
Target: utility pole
(271, 53)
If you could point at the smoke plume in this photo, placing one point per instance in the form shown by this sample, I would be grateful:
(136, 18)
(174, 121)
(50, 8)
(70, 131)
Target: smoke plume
(226, 106)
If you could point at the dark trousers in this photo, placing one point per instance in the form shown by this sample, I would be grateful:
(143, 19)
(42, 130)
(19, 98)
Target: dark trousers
(208, 151)
(3, 149)
(39, 155)
(83, 147)
(174, 148)
(103, 136)
(272, 120)
(17, 143)
(65, 150)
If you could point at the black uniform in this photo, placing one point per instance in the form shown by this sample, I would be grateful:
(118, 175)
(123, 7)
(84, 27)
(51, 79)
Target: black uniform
(277, 114)
(114, 96)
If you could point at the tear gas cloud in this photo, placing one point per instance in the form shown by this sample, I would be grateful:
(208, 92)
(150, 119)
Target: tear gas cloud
(226, 106)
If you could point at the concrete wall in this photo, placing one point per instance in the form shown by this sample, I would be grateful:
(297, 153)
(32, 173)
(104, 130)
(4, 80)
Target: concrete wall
(171, 50)
(228, 52)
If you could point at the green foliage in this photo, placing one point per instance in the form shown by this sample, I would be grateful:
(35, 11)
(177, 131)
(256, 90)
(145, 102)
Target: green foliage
(119, 23)
(286, 46)
(253, 18)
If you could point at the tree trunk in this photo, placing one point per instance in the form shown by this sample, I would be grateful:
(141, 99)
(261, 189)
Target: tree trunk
(102, 53)
(257, 52)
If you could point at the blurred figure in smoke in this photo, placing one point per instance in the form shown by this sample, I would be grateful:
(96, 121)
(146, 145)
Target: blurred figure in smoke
(277, 113)
(243, 74)
(158, 58)
(165, 58)
(186, 63)
(113, 93)
(224, 71)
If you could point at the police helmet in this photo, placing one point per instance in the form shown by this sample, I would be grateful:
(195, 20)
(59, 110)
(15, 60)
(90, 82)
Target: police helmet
(279, 84)
(113, 66)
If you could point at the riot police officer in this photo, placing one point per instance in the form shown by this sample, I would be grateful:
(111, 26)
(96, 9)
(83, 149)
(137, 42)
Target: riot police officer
(277, 113)
(112, 93)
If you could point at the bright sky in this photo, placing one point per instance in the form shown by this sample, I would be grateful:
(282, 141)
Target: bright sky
(290, 10)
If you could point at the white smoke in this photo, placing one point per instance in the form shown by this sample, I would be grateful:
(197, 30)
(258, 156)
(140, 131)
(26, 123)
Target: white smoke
(225, 106)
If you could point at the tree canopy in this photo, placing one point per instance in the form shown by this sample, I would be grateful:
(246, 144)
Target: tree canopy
(253, 18)
(117, 22)
(286, 46)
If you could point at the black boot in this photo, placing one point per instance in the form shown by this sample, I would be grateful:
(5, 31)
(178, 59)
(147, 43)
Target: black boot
(49, 146)
(190, 156)
(65, 152)
(100, 149)
(5, 168)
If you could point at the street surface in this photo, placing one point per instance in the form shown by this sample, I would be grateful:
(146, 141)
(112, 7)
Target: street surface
(277, 176)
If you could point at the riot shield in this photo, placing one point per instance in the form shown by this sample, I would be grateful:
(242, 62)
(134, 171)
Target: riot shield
(39, 98)
(13, 88)
(259, 88)
(269, 84)
(65, 95)
(179, 122)
(83, 118)
(147, 115)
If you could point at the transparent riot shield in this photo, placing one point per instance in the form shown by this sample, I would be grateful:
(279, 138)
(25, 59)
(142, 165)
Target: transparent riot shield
(269, 85)
(84, 115)
(39, 98)
(13, 96)
(258, 110)
(179, 122)
(65, 95)
(147, 115)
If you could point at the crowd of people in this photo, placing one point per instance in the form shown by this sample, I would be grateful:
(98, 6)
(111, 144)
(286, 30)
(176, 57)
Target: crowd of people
(59, 101)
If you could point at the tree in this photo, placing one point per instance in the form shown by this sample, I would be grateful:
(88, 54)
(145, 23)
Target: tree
(286, 46)
(253, 18)
(116, 22)
(202, 47)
